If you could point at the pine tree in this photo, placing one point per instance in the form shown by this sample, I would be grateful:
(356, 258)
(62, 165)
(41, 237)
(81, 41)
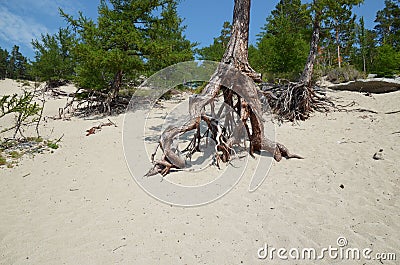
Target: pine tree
(282, 46)
(171, 44)
(339, 20)
(388, 24)
(54, 62)
(365, 48)
(216, 50)
(4, 58)
(130, 38)
(18, 64)
(387, 59)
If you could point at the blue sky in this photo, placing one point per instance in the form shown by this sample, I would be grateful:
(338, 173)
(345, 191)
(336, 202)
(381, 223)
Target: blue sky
(24, 20)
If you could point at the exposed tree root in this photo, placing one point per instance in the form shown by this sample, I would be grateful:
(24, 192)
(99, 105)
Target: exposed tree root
(296, 101)
(241, 98)
(238, 120)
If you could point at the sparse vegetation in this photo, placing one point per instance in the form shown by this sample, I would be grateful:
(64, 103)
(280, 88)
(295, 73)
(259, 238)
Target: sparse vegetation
(3, 160)
(15, 154)
(52, 145)
(344, 74)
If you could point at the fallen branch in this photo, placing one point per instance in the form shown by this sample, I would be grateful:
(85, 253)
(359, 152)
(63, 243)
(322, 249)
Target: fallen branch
(363, 110)
(97, 128)
(392, 112)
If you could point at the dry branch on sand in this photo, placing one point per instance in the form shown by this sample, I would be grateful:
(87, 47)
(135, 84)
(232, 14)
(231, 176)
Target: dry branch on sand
(98, 127)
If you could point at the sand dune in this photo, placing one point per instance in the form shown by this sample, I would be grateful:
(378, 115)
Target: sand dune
(80, 205)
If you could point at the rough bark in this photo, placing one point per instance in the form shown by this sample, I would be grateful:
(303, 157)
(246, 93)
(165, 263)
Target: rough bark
(247, 106)
(306, 76)
(236, 53)
(115, 87)
(297, 100)
(338, 49)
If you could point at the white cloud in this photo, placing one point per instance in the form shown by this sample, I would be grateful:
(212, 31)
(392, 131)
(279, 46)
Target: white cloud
(44, 7)
(17, 29)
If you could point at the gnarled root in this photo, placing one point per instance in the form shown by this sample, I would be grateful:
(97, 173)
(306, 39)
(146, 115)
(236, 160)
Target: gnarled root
(296, 101)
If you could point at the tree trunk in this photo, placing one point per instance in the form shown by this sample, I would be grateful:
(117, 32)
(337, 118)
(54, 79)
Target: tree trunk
(338, 49)
(297, 100)
(364, 64)
(115, 87)
(306, 76)
(236, 55)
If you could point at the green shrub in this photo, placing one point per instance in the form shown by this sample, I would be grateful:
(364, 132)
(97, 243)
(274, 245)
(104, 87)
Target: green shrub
(200, 88)
(387, 63)
(35, 139)
(52, 145)
(3, 160)
(344, 74)
(16, 154)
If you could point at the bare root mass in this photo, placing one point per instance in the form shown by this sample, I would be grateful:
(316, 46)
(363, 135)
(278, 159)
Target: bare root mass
(293, 101)
(237, 121)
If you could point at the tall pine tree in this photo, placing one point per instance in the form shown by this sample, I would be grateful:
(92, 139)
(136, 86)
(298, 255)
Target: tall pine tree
(130, 38)
(216, 50)
(54, 61)
(282, 46)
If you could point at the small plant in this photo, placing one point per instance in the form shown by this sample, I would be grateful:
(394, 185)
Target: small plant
(344, 74)
(52, 145)
(16, 154)
(3, 160)
(35, 139)
(26, 83)
(26, 111)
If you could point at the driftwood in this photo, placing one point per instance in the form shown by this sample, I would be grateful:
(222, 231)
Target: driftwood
(97, 128)
(393, 112)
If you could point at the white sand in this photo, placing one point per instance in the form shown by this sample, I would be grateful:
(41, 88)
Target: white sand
(80, 205)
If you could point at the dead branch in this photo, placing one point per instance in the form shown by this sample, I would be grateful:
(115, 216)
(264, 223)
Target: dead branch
(393, 112)
(98, 127)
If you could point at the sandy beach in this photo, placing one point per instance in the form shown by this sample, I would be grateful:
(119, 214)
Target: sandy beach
(80, 204)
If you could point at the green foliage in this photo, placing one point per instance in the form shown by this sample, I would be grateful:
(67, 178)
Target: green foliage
(15, 154)
(13, 65)
(19, 104)
(283, 45)
(130, 38)
(52, 145)
(388, 24)
(25, 110)
(54, 61)
(344, 74)
(364, 51)
(168, 44)
(4, 59)
(387, 61)
(3, 160)
(215, 51)
(26, 83)
(338, 34)
(17, 65)
(35, 139)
